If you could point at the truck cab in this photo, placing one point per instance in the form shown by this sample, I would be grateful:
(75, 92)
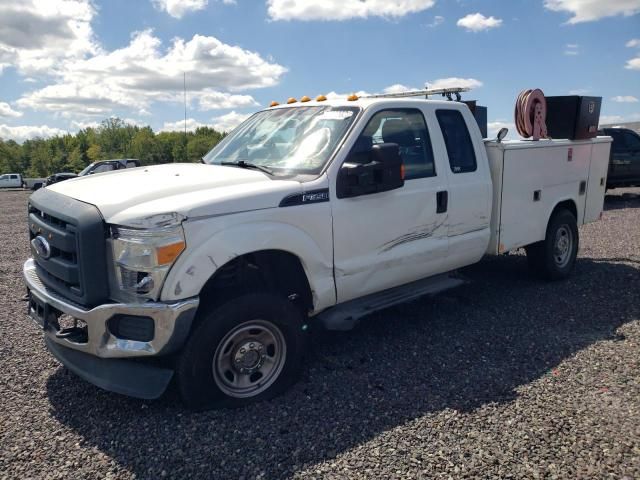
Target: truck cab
(309, 214)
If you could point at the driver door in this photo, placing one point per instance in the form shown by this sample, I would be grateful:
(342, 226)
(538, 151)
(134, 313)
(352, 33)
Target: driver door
(386, 239)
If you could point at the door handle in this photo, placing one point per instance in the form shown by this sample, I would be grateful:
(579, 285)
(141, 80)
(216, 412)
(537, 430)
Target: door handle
(442, 201)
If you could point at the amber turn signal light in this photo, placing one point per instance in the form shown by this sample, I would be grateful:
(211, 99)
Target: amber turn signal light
(168, 253)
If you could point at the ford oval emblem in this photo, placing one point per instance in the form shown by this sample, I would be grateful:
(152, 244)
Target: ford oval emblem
(41, 246)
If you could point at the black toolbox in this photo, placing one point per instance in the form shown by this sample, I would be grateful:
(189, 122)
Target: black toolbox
(574, 117)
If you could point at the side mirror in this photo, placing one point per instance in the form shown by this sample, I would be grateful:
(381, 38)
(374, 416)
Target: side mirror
(378, 170)
(501, 134)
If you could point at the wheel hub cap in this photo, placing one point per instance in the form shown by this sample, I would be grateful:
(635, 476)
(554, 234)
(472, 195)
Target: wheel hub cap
(563, 246)
(249, 357)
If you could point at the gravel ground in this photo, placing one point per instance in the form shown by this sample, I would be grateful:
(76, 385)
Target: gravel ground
(506, 377)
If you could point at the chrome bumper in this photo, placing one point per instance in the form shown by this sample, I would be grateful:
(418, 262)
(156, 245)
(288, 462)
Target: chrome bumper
(172, 322)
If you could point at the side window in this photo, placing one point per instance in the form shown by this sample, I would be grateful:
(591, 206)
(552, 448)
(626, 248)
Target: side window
(462, 158)
(131, 164)
(406, 128)
(13, 177)
(105, 167)
(632, 142)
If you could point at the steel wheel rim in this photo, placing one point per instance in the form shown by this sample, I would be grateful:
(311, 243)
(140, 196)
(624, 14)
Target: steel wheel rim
(563, 246)
(249, 359)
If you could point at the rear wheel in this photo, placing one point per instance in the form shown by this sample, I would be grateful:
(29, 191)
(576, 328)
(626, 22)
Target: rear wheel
(247, 350)
(554, 257)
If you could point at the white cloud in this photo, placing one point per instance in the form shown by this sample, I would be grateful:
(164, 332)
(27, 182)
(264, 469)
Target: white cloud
(614, 119)
(494, 127)
(343, 9)
(143, 72)
(437, 20)
(476, 22)
(26, 132)
(572, 49)
(178, 126)
(229, 121)
(624, 99)
(452, 82)
(633, 64)
(177, 8)
(210, 100)
(633, 43)
(39, 36)
(590, 10)
(397, 88)
(223, 123)
(80, 125)
(7, 111)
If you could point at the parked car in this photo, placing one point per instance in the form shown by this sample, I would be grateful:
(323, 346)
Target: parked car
(109, 165)
(11, 180)
(624, 163)
(58, 177)
(313, 213)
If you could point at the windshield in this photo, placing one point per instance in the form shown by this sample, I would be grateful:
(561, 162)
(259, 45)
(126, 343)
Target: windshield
(87, 168)
(296, 140)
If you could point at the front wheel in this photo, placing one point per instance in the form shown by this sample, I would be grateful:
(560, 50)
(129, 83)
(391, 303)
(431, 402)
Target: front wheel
(247, 350)
(554, 257)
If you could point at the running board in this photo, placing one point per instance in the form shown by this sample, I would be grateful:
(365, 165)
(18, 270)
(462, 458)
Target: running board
(345, 315)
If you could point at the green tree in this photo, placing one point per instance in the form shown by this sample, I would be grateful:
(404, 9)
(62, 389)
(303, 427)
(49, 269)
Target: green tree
(94, 152)
(114, 138)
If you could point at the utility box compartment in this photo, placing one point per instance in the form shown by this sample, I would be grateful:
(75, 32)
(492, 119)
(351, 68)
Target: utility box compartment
(530, 178)
(573, 117)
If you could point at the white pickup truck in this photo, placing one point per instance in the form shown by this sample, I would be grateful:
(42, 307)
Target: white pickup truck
(11, 180)
(309, 213)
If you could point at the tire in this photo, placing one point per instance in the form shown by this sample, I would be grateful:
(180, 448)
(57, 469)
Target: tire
(248, 350)
(555, 256)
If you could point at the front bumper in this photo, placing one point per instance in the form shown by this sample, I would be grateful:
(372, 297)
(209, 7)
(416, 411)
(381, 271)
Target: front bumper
(172, 322)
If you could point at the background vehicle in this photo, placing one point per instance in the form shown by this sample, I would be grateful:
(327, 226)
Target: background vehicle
(109, 165)
(624, 165)
(58, 177)
(34, 183)
(310, 213)
(11, 180)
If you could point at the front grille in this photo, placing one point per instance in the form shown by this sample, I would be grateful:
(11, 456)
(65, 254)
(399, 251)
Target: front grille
(74, 264)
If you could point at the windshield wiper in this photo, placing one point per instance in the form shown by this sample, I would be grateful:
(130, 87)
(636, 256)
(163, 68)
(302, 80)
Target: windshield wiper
(243, 164)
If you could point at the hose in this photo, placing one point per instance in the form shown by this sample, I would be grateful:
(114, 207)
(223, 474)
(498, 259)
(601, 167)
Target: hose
(531, 114)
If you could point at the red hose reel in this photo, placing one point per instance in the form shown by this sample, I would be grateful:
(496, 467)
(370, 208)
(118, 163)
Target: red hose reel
(531, 114)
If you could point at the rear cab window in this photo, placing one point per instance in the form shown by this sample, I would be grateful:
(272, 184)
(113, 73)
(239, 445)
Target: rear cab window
(462, 157)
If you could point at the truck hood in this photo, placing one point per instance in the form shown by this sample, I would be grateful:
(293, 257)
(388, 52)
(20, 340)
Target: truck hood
(190, 189)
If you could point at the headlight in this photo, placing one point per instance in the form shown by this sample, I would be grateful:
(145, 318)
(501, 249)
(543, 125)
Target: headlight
(142, 258)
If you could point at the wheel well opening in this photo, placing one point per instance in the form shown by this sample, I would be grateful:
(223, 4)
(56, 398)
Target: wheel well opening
(567, 205)
(274, 271)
